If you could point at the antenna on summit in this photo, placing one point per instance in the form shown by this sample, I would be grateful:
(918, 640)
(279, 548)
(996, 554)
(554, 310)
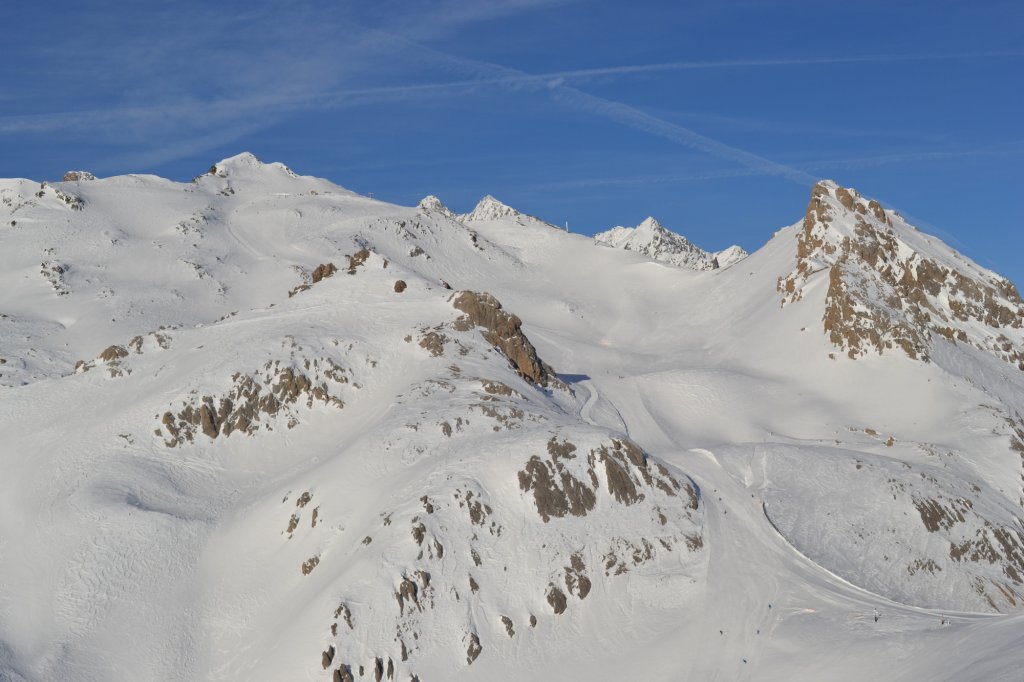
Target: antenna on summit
(566, 225)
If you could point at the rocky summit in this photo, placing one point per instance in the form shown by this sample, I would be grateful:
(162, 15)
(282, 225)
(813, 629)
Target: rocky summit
(259, 427)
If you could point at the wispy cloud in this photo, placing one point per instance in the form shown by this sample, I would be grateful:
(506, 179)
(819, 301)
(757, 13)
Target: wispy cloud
(825, 165)
(788, 126)
(155, 156)
(435, 19)
(771, 62)
(221, 89)
(618, 112)
(639, 120)
(300, 97)
(203, 75)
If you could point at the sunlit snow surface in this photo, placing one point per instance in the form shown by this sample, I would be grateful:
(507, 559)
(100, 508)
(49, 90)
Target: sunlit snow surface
(122, 558)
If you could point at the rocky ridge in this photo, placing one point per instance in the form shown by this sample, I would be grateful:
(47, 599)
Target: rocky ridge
(890, 287)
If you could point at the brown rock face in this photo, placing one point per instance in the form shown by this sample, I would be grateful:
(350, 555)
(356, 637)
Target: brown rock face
(323, 271)
(400, 286)
(113, 353)
(576, 580)
(557, 492)
(503, 331)
(76, 176)
(320, 273)
(474, 649)
(357, 259)
(253, 397)
(566, 483)
(433, 342)
(883, 294)
(557, 600)
(309, 564)
(208, 420)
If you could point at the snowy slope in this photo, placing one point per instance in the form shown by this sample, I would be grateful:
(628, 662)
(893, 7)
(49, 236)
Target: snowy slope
(653, 239)
(262, 428)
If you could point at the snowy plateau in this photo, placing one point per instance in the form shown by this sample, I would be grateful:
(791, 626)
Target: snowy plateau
(259, 427)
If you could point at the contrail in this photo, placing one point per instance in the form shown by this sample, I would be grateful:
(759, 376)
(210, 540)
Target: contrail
(639, 120)
(740, 63)
(509, 77)
(555, 83)
(823, 164)
(620, 113)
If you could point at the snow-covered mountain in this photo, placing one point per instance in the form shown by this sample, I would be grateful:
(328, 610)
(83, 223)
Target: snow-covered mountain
(259, 427)
(489, 210)
(430, 203)
(653, 239)
(890, 286)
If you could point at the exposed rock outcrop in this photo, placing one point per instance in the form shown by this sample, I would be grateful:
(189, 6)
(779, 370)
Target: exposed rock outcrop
(502, 330)
(77, 175)
(556, 598)
(357, 259)
(323, 271)
(254, 400)
(891, 287)
(566, 484)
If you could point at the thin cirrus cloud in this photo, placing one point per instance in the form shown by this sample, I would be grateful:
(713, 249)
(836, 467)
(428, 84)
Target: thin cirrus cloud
(1011, 149)
(215, 109)
(557, 87)
(556, 83)
(200, 124)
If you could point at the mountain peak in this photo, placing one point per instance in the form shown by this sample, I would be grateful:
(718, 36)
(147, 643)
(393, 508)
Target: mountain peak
(431, 203)
(245, 163)
(77, 176)
(243, 160)
(650, 223)
(490, 208)
(653, 239)
(890, 286)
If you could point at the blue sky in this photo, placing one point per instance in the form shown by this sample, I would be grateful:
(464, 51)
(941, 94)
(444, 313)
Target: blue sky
(714, 117)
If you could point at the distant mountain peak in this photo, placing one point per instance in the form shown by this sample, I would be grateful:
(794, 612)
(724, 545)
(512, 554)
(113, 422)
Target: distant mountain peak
(891, 286)
(77, 176)
(243, 160)
(650, 223)
(244, 163)
(490, 208)
(431, 203)
(653, 239)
